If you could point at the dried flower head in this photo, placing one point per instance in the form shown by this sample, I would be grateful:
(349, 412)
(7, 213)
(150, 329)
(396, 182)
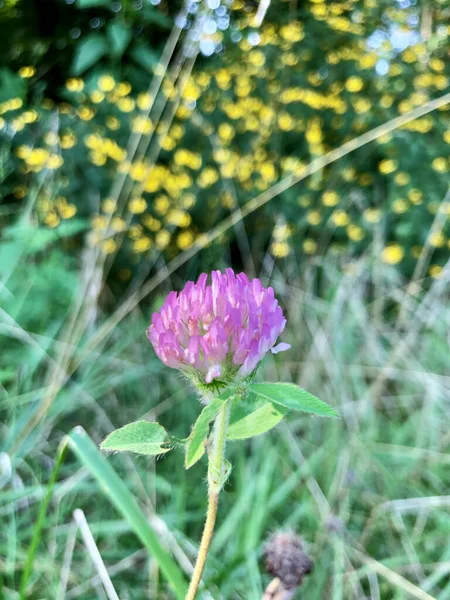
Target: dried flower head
(218, 333)
(286, 559)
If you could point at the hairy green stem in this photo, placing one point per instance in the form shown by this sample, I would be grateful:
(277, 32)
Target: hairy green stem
(217, 474)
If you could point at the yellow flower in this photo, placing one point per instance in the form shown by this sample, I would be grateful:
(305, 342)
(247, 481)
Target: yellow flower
(387, 166)
(112, 123)
(30, 116)
(437, 64)
(400, 206)
(109, 205)
(162, 239)
(280, 249)
(340, 218)
(188, 200)
(309, 246)
(144, 101)
(137, 206)
(355, 233)
(67, 140)
(226, 132)
(20, 192)
(257, 58)
(293, 32)
(402, 178)
(118, 224)
(415, 196)
(161, 204)
(98, 222)
(26, 72)
(372, 215)
(440, 164)
(55, 161)
(167, 143)
(330, 198)
(386, 100)
(135, 231)
(108, 246)
(142, 125)
(354, 84)
(349, 173)
(392, 254)
(191, 91)
(185, 240)
(68, 211)
(106, 83)
(74, 85)
(51, 138)
(313, 217)
(178, 217)
(85, 113)
(138, 171)
(52, 219)
(142, 244)
(435, 271)
(123, 89)
(96, 96)
(125, 105)
(285, 122)
(151, 223)
(207, 177)
(437, 240)
(446, 136)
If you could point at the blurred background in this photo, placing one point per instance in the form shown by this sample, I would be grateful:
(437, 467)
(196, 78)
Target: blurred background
(305, 142)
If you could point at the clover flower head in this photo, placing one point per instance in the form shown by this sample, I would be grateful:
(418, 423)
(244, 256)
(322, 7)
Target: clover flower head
(219, 332)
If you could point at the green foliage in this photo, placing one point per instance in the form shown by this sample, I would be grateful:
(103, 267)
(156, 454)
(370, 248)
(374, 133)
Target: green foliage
(88, 52)
(119, 35)
(292, 397)
(140, 437)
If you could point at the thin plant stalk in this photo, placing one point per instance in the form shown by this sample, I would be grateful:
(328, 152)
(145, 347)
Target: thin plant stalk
(62, 450)
(217, 475)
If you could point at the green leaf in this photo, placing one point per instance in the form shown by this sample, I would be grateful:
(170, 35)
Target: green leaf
(253, 416)
(151, 14)
(144, 57)
(91, 3)
(119, 37)
(11, 85)
(293, 397)
(196, 441)
(88, 52)
(121, 497)
(141, 437)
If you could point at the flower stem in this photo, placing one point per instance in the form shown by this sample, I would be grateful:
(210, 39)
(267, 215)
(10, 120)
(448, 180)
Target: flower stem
(217, 474)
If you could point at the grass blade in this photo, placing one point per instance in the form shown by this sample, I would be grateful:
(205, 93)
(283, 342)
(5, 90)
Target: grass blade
(123, 500)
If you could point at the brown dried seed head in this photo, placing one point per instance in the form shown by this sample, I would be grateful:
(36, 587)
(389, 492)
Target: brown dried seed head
(286, 559)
